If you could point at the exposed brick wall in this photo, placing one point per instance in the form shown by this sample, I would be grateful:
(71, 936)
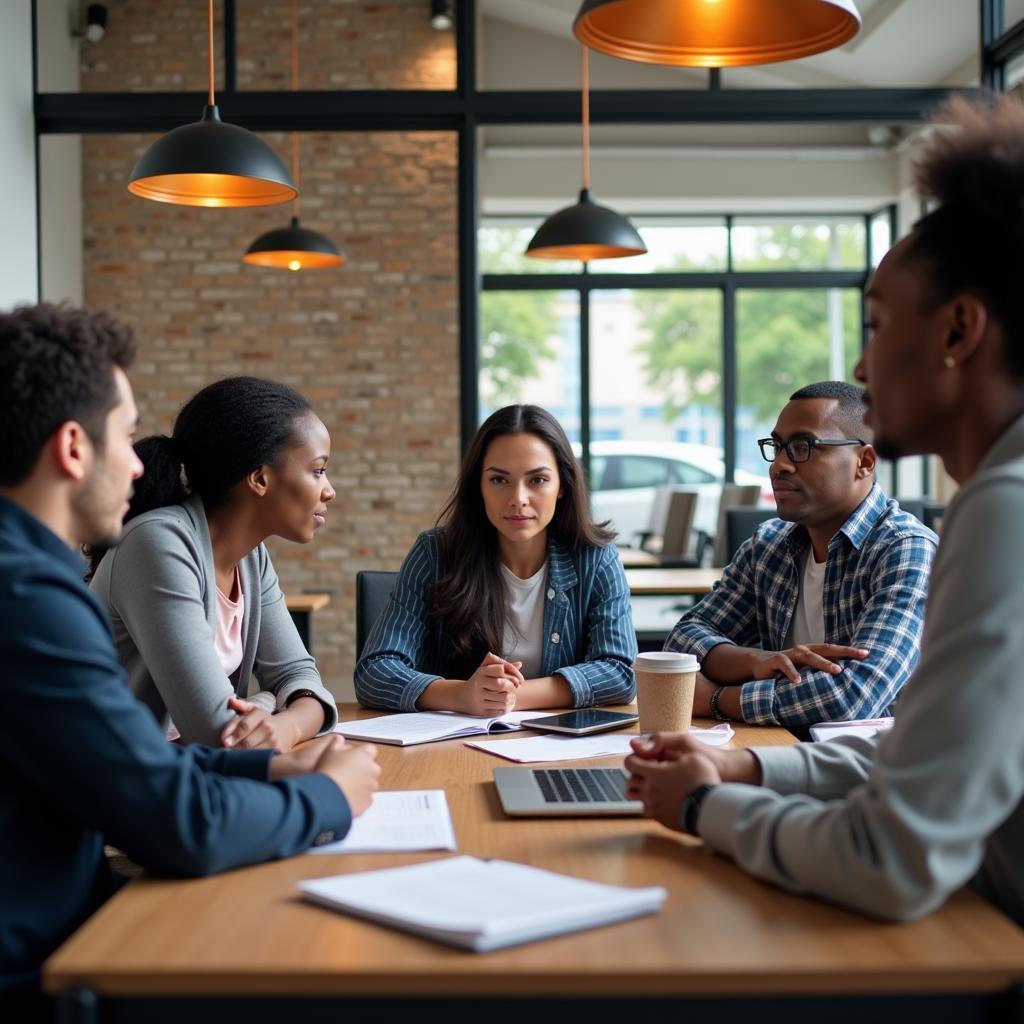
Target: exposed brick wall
(157, 45)
(373, 344)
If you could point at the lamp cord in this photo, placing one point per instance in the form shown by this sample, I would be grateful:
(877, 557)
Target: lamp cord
(586, 118)
(210, 21)
(295, 87)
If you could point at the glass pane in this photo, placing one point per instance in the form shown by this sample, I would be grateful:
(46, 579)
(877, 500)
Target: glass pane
(783, 243)
(673, 245)
(1014, 12)
(1014, 71)
(656, 402)
(881, 237)
(502, 243)
(530, 352)
(786, 339)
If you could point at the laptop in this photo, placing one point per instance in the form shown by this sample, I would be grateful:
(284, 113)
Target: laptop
(564, 792)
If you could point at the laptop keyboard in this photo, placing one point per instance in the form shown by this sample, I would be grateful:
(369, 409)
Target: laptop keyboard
(581, 785)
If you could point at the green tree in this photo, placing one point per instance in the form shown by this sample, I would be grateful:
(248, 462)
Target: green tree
(515, 333)
(783, 336)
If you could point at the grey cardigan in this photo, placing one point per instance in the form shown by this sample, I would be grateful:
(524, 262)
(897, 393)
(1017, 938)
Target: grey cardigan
(893, 826)
(159, 589)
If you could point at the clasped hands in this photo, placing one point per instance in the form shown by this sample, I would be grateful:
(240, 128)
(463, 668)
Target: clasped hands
(491, 689)
(666, 767)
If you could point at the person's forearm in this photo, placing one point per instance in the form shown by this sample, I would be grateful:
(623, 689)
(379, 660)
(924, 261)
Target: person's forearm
(304, 716)
(543, 692)
(442, 695)
(727, 664)
(729, 700)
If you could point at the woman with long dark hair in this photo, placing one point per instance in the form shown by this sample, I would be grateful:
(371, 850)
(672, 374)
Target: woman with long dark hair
(191, 593)
(517, 599)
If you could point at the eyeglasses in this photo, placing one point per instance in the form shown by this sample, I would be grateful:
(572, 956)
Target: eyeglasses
(799, 450)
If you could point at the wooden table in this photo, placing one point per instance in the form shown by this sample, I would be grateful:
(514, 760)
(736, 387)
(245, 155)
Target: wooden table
(637, 557)
(724, 947)
(671, 582)
(302, 607)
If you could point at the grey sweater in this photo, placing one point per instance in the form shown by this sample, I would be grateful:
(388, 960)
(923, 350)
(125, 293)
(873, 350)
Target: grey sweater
(891, 827)
(159, 588)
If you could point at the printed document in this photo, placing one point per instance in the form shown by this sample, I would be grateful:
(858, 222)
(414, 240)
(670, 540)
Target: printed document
(413, 727)
(399, 822)
(480, 904)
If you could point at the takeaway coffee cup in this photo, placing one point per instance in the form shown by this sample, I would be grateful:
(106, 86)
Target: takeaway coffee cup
(665, 682)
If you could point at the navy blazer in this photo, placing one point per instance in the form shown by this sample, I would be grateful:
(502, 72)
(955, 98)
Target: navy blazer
(82, 762)
(588, 634)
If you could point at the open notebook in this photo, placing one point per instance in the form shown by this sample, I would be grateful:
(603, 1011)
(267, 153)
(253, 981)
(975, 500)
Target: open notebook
(480, 904)
(406, 729)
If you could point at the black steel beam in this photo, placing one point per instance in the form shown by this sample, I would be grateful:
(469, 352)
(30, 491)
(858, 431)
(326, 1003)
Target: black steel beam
(669, 279)
(403, 110)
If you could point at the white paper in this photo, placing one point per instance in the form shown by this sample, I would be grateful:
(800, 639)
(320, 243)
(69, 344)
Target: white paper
(398, 822)
(864, 727)
(576, 748)
(413, 727)
(480, 904)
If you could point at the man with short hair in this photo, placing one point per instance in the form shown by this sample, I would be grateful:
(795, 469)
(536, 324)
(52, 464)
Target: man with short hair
(83, 761)
(819, 615)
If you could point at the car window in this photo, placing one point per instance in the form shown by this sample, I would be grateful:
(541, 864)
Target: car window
(688, 474)
(597, 472)
(644, 471)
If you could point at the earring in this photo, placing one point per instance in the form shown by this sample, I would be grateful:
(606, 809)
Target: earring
(949, 362)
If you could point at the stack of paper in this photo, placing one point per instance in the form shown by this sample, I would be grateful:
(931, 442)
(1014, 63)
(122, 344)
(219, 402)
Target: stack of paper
(864, 727)
(480, 905)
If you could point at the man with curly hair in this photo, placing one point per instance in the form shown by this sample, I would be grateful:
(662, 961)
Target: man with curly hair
(892, 826)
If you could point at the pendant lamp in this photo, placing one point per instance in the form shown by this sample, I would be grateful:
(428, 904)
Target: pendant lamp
(210, 163)
(293, 247)
(715, 33)
(585, 231)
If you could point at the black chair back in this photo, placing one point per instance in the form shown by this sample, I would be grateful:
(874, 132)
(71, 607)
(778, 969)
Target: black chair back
(372, 592)
(740, 524)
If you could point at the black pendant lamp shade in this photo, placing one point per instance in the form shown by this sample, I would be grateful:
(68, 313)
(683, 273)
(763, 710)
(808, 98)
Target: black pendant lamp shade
(585, 231)
(715, 33)
(294, 248)
(210, 163)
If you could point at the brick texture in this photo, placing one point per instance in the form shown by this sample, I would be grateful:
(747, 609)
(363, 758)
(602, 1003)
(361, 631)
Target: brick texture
(373, 344)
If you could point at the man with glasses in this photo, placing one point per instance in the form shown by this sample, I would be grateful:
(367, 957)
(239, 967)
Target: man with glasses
(819, 615)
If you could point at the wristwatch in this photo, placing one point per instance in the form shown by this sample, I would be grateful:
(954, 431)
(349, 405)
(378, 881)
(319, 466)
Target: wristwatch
(690, 809)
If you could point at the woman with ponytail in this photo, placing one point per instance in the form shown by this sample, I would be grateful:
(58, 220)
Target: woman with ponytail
(517, 600)
(192, 595)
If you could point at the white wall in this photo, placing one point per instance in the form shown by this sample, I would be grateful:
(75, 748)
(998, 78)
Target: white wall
(19, 280)
(60, 157)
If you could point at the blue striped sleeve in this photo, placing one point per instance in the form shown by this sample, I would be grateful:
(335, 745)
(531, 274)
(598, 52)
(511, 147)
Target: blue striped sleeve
(606, 676)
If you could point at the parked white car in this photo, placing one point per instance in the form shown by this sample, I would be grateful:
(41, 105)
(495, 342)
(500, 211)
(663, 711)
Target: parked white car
(626, 474)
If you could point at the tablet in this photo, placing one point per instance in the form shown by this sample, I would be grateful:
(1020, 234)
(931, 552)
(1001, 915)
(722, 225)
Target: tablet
(582, 722)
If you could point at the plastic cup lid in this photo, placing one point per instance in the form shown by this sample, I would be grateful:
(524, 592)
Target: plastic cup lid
(665, 662)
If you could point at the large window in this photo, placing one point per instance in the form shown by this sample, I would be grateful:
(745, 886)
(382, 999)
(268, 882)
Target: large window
(665, 369)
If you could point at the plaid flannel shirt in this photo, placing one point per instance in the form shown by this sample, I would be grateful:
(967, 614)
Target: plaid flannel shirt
(876, 583)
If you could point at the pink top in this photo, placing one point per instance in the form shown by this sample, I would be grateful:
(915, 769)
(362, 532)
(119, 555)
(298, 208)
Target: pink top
(227, 640)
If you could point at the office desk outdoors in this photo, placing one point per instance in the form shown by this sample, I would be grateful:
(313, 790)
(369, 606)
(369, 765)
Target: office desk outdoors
(671, 582)
(724, 946)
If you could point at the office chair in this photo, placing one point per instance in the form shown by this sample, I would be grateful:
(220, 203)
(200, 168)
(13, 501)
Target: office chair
(740, 524)
(733, 496)
(373, 589)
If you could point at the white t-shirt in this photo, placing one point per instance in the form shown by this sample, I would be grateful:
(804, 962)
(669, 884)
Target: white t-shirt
(808, 623)
(524, 626)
